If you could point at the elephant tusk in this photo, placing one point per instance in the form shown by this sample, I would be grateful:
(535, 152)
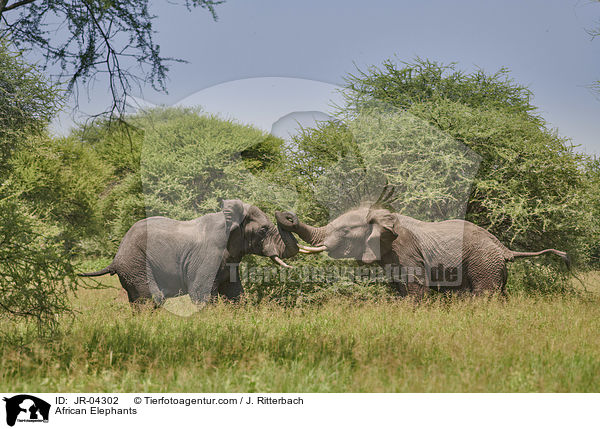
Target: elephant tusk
(277, 260)
(308, 249)
(303, 251)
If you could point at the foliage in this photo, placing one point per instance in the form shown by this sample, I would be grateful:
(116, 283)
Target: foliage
(35, 263)
(60, 179)
(314, 280)
(529, 190)
(119, 207)
(592, 245)
(311, 153)
(117, 146)
(35, 268)
(448, 149)
(27, 103)
(190, 162)
(102, 36)
(116, 143)
(378, 145)
(453, 144)
(171, 162)
(424, 80)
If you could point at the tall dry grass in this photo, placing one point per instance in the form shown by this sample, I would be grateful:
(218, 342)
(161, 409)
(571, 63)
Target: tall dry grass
(526, 343)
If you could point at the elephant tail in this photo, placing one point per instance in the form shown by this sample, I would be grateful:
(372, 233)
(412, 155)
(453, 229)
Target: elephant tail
(108, 270)
(563, 255)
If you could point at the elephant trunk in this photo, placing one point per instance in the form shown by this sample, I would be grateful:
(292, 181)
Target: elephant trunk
(288, 221)
(290, 243)
(280, 243)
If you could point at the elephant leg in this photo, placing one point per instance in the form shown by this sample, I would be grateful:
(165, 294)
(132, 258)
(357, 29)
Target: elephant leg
(488, 280)
(132, 293)
(504, 281)
(400, 288)
(137, 290)
(417, 291)
(229, 284)
(204, 270)
(417, 283)
(231, 290)
(198, 296)
(158, 296)
(203, 287)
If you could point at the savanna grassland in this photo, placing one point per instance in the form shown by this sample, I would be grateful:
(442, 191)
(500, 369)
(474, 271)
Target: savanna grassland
(526, 343)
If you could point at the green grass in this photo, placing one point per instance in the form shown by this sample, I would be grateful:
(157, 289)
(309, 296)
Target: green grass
(526, 343)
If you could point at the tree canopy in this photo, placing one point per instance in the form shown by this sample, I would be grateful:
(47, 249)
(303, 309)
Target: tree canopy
(89, 38)
(406, 123)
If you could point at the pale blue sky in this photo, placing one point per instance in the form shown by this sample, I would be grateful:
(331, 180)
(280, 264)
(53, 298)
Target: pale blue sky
(543, 42)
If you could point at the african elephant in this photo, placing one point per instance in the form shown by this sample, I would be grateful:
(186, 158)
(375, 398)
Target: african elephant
(161, 258)
(450, 255)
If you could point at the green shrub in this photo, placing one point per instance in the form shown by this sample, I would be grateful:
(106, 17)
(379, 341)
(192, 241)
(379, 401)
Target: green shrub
(453, 144)
(116, 143)
(27, 103)
(191, 161)
(174, 162)
(314, 280)
(60, 179)
(529, 190)
(35, 263)
(35, 268)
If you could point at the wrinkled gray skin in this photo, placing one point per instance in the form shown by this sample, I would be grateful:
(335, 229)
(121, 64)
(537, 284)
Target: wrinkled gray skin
(393, 240)
(161, 258)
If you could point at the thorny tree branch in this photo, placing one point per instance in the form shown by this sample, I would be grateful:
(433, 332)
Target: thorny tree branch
(94, 38)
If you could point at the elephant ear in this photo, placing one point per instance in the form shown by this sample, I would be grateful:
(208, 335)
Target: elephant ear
(391, 230)
(235, 212)
(381, 236)
(388, 223)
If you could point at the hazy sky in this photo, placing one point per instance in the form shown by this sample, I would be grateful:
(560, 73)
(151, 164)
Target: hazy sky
(543, 42)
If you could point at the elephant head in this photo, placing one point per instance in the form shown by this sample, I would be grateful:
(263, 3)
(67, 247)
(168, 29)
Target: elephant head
(365, 234)
(251, 231)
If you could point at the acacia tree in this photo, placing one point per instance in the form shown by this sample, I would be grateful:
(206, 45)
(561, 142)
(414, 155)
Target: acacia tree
(35, 268)
(111, 37)
(528, 189)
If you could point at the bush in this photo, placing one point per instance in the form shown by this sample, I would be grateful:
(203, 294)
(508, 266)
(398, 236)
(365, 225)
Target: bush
(454, 145)
(177, 163)
(60, 179)
(27, 103)
(35, 263)
(191, 161)
(35, 269)
(529, 189)
(378, 145)
(314, 280)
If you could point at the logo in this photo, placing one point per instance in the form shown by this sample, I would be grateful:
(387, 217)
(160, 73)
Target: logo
(26, 408)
